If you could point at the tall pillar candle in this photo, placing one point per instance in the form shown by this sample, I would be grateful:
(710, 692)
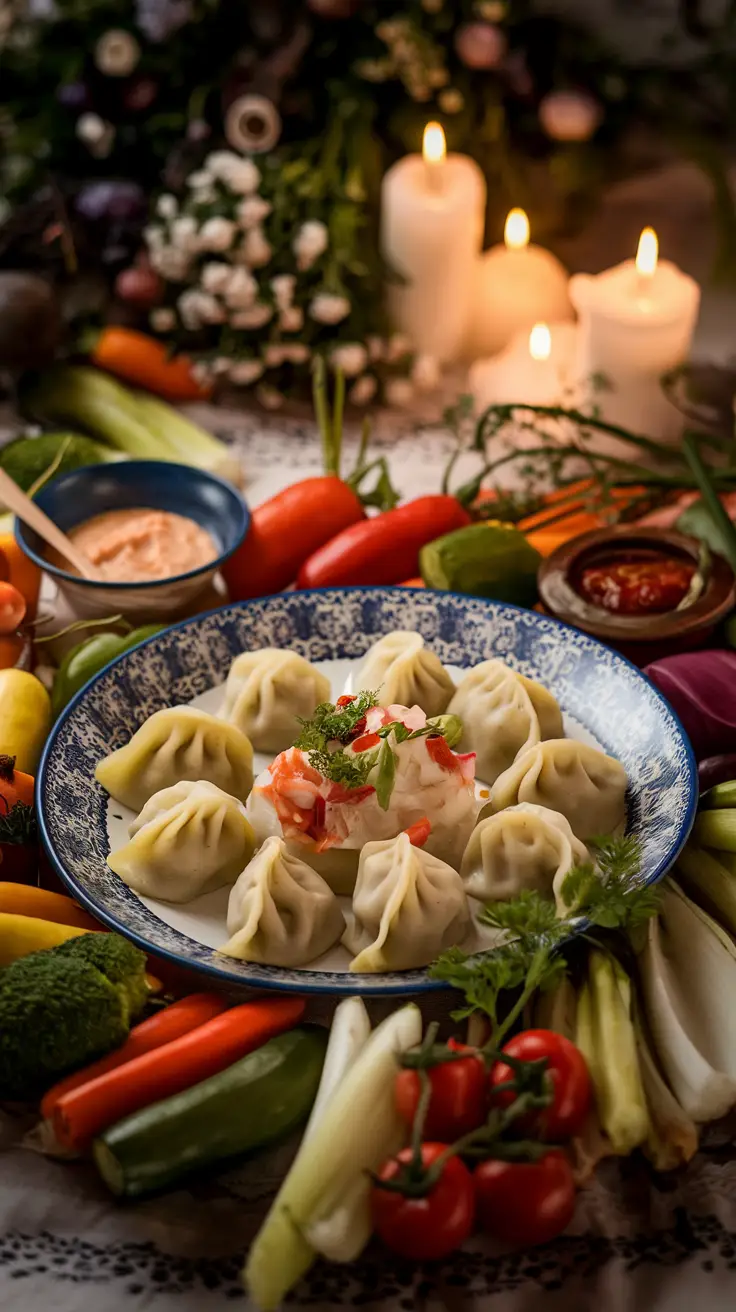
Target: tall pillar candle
(636, 323)
(432, 218)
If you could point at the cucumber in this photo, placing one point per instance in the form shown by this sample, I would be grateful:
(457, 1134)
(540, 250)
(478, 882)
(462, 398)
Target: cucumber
(259, 1099)
(483, 560)
(719, 795)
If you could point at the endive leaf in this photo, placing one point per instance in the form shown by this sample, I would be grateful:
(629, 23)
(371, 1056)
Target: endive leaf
(688, 977)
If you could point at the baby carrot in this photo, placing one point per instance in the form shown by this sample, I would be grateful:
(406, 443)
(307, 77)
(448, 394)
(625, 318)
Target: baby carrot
(171, 1023)
(83, 1113)
(26, 900)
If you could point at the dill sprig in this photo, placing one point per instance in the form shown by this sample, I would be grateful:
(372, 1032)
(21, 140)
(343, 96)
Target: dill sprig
(332, 723)
(608, 894)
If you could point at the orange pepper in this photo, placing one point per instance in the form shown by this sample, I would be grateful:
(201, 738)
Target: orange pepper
(22, 573)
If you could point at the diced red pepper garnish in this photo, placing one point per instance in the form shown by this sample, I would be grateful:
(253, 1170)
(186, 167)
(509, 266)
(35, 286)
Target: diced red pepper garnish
(441, 754)
(365, 741)
(419, 832)
(318, 817)
(345, 700)
(339, 793)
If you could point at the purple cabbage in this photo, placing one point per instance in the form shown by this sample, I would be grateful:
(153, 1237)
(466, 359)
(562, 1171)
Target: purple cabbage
(701, 688)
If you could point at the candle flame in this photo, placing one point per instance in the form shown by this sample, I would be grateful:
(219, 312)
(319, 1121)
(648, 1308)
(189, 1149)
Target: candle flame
(434, 148)
(516, 231)
(647, 253)
(540, 342)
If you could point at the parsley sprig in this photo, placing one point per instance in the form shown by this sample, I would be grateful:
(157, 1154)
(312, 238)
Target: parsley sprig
(607, 895)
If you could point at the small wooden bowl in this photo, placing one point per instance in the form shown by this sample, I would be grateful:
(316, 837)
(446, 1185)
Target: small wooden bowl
(642, 638)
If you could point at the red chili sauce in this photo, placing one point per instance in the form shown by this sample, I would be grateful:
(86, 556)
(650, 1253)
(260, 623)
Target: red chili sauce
(637, 583)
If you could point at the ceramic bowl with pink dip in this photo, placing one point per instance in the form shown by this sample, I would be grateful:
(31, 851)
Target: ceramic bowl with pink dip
(158, 532)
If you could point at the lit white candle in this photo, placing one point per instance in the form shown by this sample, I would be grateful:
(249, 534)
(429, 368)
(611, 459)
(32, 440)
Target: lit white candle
(533, 370)
(432, 213)
(636, 322)
(517, 285)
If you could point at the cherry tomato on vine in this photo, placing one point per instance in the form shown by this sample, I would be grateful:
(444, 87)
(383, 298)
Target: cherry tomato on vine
(428, 1228)
(567, 1070)
(459, 1095)
(525, 1202)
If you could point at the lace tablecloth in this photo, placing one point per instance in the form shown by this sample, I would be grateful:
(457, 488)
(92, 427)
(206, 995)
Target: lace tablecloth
(637, 1241)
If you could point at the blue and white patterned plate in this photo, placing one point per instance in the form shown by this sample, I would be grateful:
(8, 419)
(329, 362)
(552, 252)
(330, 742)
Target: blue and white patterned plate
(596, 688)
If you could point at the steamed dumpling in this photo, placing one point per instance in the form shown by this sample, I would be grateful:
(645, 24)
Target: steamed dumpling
(189, 839)
(176, 744)
(499, 720)
(402, 670)
(281, 912)
(268, 692)
(408, 906)
(579, 781)
(545, 706)
(523, 847)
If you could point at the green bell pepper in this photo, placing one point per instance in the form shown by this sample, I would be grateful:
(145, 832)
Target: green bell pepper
(86, 660)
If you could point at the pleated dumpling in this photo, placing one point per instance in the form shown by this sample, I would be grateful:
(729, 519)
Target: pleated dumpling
(498, 715)
(403, 671)
(189, 839)
(408, 906)
(281, 912)
(579, 781)
(523, 847)
(175, 744)
(268, 692)
(546, 707)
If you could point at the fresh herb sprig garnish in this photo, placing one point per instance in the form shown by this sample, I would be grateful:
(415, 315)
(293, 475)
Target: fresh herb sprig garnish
(607, 895)
(334, 723)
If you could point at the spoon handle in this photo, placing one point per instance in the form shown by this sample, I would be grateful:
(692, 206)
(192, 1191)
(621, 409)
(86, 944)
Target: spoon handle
(34, 517)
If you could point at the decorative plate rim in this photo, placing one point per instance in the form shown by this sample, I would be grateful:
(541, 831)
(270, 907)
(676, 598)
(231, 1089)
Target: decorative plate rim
(293, 980)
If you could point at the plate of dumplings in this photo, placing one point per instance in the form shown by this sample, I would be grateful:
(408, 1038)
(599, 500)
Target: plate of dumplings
(320, 791)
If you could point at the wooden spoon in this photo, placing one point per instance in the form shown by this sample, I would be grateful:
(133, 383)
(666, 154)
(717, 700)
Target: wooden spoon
(34, 517)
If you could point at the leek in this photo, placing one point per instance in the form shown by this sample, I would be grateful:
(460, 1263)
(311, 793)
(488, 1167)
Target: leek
(358, 1129)
(556, 1009)
(688, 975)
(717, 829)
(673, 1137)
(192, 444)
(606, 1038)
(709, 882)
(719, 795)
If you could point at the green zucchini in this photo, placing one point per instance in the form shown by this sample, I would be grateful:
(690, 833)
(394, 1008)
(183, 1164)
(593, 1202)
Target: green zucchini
(259, 1099)
(483, 560)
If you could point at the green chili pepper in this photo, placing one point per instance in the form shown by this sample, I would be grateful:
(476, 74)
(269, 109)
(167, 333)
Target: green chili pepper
(89, 657)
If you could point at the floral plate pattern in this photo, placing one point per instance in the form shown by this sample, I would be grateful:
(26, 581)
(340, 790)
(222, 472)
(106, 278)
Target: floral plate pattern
(593, 684)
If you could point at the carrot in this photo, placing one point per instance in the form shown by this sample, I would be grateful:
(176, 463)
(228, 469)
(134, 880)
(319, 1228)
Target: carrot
(83, 1113)
(140, 359)
(287, 529)
(22, 572)
(15, 786)
(165, 1026)
(24, 900)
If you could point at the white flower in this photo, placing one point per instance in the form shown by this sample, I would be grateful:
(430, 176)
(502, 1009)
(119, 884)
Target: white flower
(197, 308)
(185, 234)
(167, 206)
(351, 358)
(425, 373)
(363, 390)
(256, 317)
(215, 276)
(200, 180)
(310, 242)
(328, 307)
(375, 346)
(291, 320)
(399, 392)
(269, 397)
(241, 289)
(116, 53)
(216, 234)
(252, 211)
(240, 175)
(282, 287)
(255, 249)
(296, 352)
(273, 356)
(397, 347)
(162, 319)
(221, 365)
(154, 237)
(245, 371)
(170, 262)
(202, 373)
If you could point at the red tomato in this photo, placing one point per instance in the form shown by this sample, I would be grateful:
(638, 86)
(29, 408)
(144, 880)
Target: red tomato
(12, 608)
(459, 1095)
(525, 1202)
(567, 1070)
(426, 1228)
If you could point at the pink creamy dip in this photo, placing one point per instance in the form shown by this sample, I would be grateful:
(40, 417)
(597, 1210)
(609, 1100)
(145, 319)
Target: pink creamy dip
(140, 546)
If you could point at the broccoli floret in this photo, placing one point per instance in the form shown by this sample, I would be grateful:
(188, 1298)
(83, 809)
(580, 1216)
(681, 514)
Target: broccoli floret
(61, 1009)
(117, 959)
